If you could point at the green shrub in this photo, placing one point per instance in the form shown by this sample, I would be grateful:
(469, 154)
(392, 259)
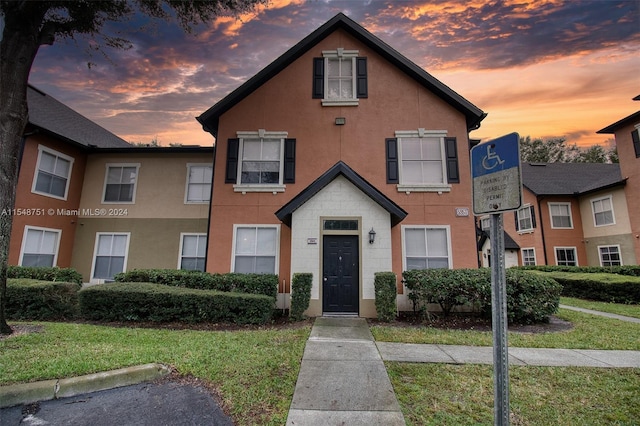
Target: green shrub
(597, 286)
(531, 297)
(67, 275)
(300, 295)
(266, 284)
(386, 292)
(29, 299)
(162, 303)
(632, 270)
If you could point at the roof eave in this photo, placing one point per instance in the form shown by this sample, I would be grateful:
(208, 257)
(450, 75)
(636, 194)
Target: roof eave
(615, 126)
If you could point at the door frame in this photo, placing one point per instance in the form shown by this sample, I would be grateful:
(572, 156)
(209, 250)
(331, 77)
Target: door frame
(357, 232)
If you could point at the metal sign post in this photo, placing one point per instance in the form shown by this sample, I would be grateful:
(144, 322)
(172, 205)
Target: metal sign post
(497, 187)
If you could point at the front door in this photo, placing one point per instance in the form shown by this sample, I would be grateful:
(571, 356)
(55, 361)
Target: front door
(340, 288)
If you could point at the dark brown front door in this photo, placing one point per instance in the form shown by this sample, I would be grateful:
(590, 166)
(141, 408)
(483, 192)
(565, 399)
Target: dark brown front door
(340, 274)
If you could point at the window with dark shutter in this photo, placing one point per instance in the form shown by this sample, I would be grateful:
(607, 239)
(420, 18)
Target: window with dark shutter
(340, 77)
(318, 78)
(392, 160)
(635, 137)
(451, 150)
(289, 161)
(232, 161)
(361, 78)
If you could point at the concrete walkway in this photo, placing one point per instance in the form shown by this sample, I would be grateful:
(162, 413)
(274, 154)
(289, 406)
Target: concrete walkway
(342, 379)
(602, 314)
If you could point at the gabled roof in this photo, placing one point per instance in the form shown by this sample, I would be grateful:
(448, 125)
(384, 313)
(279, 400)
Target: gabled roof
(55, 118)
(209, 119)
(341, 169)
(509, 242)
(570, 178)
(635, 117)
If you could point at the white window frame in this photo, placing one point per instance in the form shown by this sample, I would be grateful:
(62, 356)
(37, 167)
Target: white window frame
(575, 253)
(340, 54)
(485, 223)
(262, 187)
(551, 215)
(522, 255)
(186, 190)
(180, 254)
(95, 252)
(447, 229)
(593, 210)
(28, 228)
(277, 248)
(609, 246)
(135, 184)
(407, 187)
(527, 208)
(41, 149)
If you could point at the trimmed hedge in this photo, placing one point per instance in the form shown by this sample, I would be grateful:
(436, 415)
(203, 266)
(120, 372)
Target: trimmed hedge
(29, 299)
(42, 273)
(385, 288)
(162, 303)
(301, 295)
(266, 284)
(531, 298)
(602, 287)
(633, 270)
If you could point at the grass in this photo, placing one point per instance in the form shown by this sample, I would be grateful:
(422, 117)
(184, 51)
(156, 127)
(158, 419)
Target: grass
(588, 332)
(437, 394)
(255, 371)
(612, 308)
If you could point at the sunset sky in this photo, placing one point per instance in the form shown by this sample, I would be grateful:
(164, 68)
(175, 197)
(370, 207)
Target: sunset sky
(543, 68)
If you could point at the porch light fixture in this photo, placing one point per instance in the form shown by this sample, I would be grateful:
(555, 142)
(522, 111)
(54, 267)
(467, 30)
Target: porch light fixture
(372, 236)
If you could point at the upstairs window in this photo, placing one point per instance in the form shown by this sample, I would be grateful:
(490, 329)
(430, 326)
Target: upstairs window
(525, 219)
(602, 211)
(340, 77)
(53, 172)
(560, 215)
(198, 183)
(120, 183)
(260, 161)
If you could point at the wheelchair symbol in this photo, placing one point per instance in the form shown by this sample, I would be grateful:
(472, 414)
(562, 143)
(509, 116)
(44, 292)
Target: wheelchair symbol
(491, 160)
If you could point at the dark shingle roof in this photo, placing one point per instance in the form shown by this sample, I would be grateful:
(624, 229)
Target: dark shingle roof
(53, 117)
(209, 119)
(569, 178)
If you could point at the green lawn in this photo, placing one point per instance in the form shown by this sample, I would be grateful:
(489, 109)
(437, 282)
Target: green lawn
(612, 308)
(254, 371)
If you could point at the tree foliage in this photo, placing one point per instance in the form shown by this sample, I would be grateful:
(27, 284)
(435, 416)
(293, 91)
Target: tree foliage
(30, 24)
(556, 150)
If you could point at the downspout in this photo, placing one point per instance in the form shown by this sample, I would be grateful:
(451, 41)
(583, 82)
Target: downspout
(544, 243)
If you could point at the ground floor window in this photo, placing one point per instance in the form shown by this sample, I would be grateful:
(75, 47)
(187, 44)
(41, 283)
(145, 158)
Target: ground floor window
(610, 255)
(255, 249)
(39, 246)
(192, 251)
(426, 247)
(110, 255)
(528, 256)
(566, 256)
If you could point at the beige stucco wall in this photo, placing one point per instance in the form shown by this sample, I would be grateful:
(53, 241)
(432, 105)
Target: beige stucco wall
(154, 243)
(620, 211)
(630, 169)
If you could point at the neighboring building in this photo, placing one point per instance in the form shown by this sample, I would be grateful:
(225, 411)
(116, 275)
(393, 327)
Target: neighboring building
(89, 200)
(339, 138)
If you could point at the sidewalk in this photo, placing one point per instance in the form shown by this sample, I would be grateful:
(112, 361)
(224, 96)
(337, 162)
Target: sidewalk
(601, 314)
(342, 379)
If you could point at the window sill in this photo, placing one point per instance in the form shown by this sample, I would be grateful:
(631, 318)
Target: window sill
(259, 188)
(45, 194)
(118, 202)
(525, 231)
(340, 102)
(439, 188)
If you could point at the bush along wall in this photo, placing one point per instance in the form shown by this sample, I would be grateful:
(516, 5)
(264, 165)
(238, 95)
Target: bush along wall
(162, 303)
(531, 297)
(66, 275)
(633, 270)
(300, 295)
(266, 284)
(29, 299)
(386, 291)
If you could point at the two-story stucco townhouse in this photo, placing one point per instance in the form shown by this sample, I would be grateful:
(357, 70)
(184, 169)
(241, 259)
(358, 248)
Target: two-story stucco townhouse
(89, 200)
(341, 158)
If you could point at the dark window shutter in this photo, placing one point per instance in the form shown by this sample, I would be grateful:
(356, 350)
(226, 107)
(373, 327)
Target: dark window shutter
(533, 217)
(361, 78)
(635, 137)
(289, 161)
(515, 214)
(451, 150)
(392, 160)
(232, 161)
(318, 78)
